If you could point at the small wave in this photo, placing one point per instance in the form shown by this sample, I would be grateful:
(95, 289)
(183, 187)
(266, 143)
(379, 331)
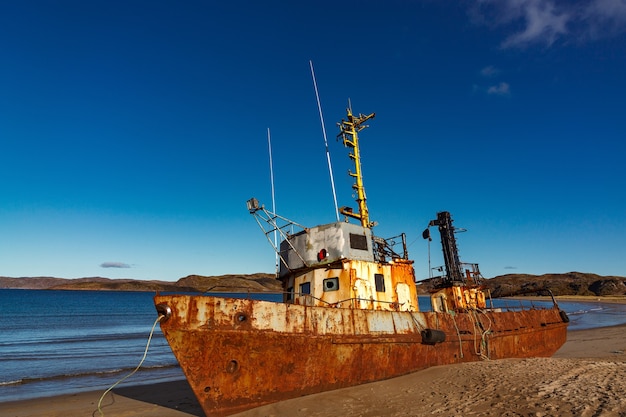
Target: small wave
(97, 374)
(586, 311)
(576, 313)
(16, 382)
(82, 339)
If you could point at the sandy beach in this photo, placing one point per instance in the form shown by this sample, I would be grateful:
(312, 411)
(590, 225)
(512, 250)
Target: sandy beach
(586, 377)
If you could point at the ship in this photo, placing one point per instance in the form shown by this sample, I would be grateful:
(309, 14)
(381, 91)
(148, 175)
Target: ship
(349, 312)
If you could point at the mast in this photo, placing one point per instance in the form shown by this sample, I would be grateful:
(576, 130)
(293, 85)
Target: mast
(349, 133)
(454, 269)
(269, 145)
(330, 167)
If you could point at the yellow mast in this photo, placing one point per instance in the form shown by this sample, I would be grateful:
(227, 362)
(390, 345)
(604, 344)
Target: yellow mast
(349, 133)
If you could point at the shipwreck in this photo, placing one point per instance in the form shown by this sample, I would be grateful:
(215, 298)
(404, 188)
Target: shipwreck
(349, 313)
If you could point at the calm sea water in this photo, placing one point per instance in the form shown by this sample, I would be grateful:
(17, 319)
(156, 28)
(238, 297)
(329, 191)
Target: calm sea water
(60, 342)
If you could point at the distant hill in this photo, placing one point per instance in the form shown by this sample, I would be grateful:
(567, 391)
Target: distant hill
(191, 283)
(571, 283)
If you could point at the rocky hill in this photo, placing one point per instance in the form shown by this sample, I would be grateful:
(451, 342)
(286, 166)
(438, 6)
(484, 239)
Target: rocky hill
(571, 283)
(191, 283)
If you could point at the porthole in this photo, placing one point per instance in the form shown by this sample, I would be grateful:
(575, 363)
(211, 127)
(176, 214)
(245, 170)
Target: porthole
(331, 284)
(232, 367)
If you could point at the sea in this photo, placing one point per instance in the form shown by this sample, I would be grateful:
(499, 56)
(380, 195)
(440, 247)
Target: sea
(65, 342)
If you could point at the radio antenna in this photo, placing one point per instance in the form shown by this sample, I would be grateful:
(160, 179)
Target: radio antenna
(330, 167)
(269, 145)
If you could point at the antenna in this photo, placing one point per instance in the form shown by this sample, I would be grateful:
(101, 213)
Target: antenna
(330, 167)
(269, 145)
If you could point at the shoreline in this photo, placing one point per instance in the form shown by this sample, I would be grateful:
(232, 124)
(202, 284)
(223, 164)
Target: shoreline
(588, 372)
(608, 299)
(595, 347)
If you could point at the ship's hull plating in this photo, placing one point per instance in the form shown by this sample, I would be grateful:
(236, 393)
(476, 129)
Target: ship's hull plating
(240, 354)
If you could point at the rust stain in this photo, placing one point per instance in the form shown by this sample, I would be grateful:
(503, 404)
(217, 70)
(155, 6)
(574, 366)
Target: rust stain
(236, 366)
(350, 314)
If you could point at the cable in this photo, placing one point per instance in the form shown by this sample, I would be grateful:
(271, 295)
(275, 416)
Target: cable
(484, 333)
(485, 336)
(145, 353)
(477, 326)
(418, 325)
(458, 333)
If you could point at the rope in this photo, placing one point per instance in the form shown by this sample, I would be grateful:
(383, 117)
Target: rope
(478, 327)
(416, 322)
(458, 333)
(485, 335)
(145, 353)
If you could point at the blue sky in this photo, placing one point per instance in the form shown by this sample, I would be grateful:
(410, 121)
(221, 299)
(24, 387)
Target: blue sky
(132, 133)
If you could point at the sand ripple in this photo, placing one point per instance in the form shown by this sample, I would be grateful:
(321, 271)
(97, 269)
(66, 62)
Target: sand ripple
(534, 387)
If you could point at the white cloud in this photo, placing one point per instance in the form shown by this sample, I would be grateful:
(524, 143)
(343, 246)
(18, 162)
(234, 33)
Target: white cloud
(114, 265)
(608, 9)
(544, 22)
(502, 89)
(489, 71)
(605, 18)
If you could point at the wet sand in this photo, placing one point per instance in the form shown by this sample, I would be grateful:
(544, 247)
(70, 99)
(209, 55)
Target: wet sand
(586, 377)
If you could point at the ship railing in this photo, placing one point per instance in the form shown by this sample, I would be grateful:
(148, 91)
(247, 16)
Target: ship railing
(223, 289)
(241, 289)
(227, 289)
(352, 301)
(472, 273)
(506, 304)
(519, 301)
(384, 248)
(469, 273)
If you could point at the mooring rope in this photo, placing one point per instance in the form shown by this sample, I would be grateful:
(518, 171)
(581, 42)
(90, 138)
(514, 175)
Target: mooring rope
(145, 353)
(458, 333)
(479, 328)
(485, 336)
(418, 325)
(476, 327)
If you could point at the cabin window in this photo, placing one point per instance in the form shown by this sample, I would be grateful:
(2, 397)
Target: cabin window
(358, 241)
(290, 294)
(331, 284)
(379, 279)
(305, 288)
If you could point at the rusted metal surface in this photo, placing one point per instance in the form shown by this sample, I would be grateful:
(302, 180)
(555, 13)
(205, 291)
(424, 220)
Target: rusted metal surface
(240, 354)
(356, 286)
(350, 315)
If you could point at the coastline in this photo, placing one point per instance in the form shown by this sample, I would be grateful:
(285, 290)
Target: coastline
(585, 377)
(604, 299)
(618, 299)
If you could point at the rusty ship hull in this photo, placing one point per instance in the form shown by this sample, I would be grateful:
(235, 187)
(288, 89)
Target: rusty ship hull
(349, 313)
(238, 354)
